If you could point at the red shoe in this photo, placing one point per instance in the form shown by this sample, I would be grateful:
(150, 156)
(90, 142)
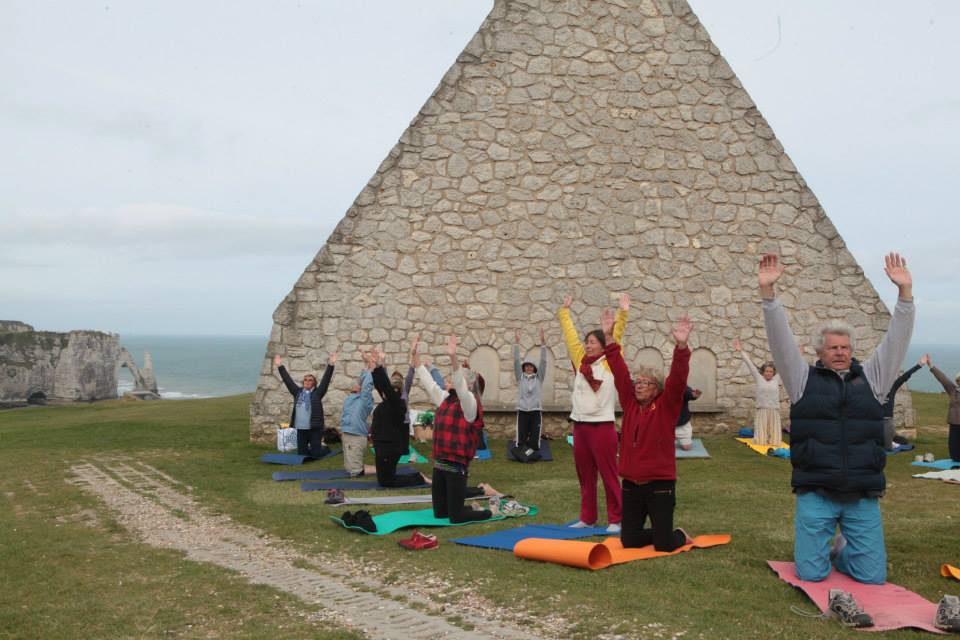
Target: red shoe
(419, 542)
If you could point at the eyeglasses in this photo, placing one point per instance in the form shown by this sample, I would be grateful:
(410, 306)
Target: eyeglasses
(645, 383)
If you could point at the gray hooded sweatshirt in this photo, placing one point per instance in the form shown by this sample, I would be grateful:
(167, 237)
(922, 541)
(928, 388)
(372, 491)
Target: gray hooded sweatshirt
(530, 386)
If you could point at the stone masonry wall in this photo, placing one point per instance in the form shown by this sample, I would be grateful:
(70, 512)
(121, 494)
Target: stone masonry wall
(575, 147)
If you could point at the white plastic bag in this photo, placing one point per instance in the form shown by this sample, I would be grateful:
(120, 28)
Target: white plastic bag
(286, 439)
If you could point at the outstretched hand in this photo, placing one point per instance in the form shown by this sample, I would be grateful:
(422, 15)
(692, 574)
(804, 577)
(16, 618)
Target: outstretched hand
(607, 318)
(681, 331)
(379, 356)
(925, 360)
(895, 267)
(567, 301)
(543, 339)
(769, 272)
(334, 356)
(414, 351)
(277, 361)
(625, 302)
(737, 346)
(516, 334)
(452, 351)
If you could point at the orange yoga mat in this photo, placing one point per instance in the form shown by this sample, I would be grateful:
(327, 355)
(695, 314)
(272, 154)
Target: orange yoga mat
(594, 556)
(950, 571)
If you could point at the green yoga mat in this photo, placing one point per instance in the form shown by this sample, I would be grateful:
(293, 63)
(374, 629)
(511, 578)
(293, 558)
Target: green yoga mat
(395, 520)
(412, 457)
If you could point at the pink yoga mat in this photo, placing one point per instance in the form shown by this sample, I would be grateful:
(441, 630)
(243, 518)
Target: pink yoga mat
(891, 606)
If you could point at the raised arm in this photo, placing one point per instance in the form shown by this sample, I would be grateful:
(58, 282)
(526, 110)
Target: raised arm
(899, 382)
(620, 325)
(618, 367)
(468, 402)
(542, 367)
(324, 383)
(382, 383)
(752, 368)
(791, 366)
(947, 384)
(675, 386)
(517, 365)
(574, 347)
(285, 376)
(881, 369)
(434, 392)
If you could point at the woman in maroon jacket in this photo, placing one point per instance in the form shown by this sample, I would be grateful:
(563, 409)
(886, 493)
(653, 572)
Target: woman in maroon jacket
(647, 461)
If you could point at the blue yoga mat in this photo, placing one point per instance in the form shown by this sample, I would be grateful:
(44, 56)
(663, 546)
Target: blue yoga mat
(483, 451)
(326, 474)
(353, 485)
(943, 465)
(545, 453)
(507, 538)
(902, 447)
(698, 451)
(292, 458)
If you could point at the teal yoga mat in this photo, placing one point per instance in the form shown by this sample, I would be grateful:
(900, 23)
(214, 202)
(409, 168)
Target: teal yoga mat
(698, 451)
(395, 520)
(413, 456)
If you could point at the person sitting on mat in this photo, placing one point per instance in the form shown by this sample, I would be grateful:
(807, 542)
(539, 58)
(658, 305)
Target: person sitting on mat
(307, 415)
(529, 401)
(766, 422)
(836, 442)
(353, 420)
(683, 433)
(648, 463)
(391, 435)
(594, 430)
(457, 428)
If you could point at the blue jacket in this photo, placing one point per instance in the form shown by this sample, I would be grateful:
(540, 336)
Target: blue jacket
(357, 408)
(836, 436)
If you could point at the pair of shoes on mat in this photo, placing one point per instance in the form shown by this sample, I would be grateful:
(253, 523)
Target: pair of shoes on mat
(501, 506)
(929, 457)
(842, 605)
(948, 614)
(361, 519)
(419, 542)
(335, 496)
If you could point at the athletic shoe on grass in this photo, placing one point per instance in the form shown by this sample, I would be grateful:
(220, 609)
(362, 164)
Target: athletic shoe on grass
(948, 614)
(842, 605)
(335, 496)
(419, 542)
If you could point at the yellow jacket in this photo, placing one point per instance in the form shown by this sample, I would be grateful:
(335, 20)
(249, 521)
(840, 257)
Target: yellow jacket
(570, 336)
(589, 405)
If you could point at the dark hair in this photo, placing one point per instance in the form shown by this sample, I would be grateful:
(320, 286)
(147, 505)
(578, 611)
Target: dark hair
(481, 384)
(767, 365)
(598, 334)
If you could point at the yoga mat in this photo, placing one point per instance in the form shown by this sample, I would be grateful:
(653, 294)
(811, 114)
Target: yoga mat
(391, 500)
(950, 476)
(411, 457)
(950, 571)
(507, 538)
(326, 474)
(390, 522)
(545, 454)
(943, 465)
(353, 485)
(890, 605)
(483, 451)
(900, 448)
(762, 448)
(595, 556)
(698, 451)
(292, 458)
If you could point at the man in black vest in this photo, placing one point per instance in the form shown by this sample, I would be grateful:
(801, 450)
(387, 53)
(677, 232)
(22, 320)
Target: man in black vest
(836, 440)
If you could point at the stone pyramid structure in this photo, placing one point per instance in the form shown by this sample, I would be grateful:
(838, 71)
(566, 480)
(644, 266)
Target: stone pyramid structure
(589, 147)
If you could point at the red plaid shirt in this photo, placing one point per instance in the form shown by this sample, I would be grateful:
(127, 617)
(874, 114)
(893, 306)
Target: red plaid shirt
(454, 438)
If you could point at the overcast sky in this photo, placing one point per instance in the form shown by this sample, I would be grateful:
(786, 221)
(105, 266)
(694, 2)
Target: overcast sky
(171, 167)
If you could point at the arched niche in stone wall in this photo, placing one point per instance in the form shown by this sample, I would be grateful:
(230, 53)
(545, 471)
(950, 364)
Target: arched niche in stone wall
(486, 361)
(549, 381)
(649, 358)
(703, 375)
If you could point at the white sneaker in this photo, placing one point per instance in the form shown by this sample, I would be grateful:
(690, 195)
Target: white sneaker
(613, 527)
(580, 524)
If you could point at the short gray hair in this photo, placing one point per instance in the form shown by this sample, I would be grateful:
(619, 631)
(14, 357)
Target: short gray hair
(835, 327)
(648, 372)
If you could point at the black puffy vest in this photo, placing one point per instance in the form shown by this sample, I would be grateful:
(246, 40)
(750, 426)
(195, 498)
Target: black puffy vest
(836, 433)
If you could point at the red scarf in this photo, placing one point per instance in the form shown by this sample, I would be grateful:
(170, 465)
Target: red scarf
(587, 371)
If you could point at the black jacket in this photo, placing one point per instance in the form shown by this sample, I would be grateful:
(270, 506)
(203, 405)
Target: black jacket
(316, 397)
(391, 435)
(836, 436)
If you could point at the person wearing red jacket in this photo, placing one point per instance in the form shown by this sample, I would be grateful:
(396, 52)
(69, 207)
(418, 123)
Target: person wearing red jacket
(647, 461)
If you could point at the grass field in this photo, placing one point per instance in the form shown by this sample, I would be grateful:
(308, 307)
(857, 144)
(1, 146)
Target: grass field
(69, 570)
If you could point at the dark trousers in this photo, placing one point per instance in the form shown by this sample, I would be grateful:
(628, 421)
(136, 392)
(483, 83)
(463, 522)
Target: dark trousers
(449, 490)
(657, 500)
(953, 442)
(528, 429)
(387, 473)
(310, 443)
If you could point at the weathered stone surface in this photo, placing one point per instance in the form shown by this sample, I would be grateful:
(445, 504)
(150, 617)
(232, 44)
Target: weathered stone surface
(582, 148)
(43, 366)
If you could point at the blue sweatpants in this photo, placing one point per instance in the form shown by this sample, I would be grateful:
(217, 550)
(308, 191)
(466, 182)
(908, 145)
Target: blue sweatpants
(864, 558)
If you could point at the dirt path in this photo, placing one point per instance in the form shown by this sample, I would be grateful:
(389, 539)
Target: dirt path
(161, 512)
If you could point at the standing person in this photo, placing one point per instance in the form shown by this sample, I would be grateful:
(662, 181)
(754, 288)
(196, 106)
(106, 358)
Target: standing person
(889, 430)
(953, 413)
(529, 399)
(307, 415)
(594, 430)
(766, 424)
(457, 428)
(648, 464)
(683, 433)
(353, 419)
(391, 430)
(837, 451)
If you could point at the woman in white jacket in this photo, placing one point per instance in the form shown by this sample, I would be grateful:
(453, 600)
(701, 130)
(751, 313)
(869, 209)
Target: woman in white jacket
(594, 430)
(766, 424)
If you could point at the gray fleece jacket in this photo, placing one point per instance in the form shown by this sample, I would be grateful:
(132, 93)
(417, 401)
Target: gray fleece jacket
(529, 386)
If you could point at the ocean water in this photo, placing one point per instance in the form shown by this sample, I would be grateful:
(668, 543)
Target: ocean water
(197, 366)
(945, 357)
